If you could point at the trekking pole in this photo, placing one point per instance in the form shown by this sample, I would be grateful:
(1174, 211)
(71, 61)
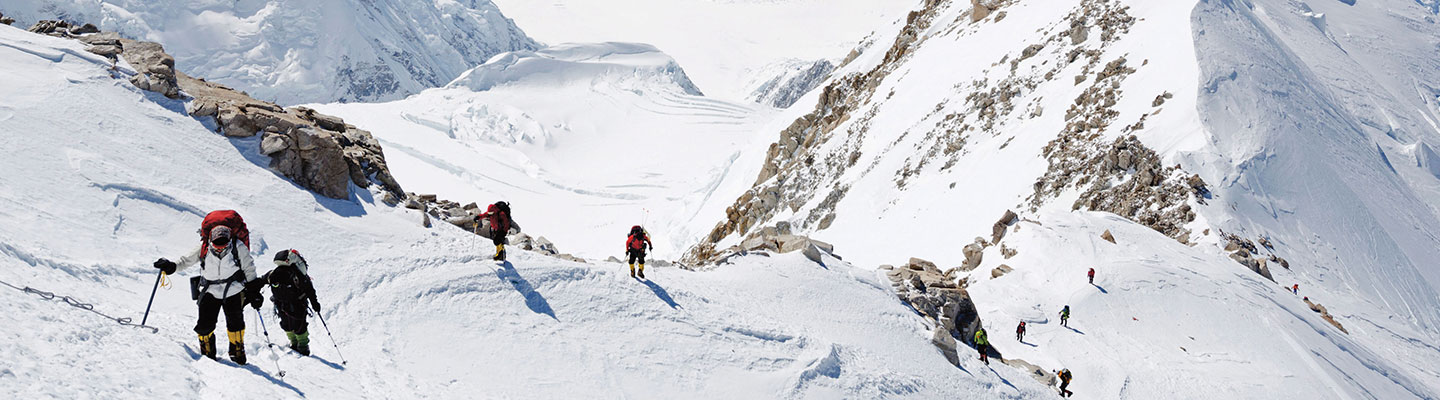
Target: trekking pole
(270, 344)
(158, 276)
(332, 337)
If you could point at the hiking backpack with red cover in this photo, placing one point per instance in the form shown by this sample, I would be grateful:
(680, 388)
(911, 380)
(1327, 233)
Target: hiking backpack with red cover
(228, 218)
(637, 238)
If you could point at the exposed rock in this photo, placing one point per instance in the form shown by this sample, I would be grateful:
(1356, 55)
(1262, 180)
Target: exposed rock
(1160, 99)
(1107, 236)
(4, 20)
(997, 231)
(612, 259)
(939, 300)
(942, 339)
(1008, 252)
(313, 160)
(1325, 314)
(974, 252)
(155, 70)
(1000, 271)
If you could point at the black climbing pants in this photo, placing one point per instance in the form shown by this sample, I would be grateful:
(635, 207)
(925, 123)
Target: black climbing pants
(210, 307)
(292, 318)
(637, 256)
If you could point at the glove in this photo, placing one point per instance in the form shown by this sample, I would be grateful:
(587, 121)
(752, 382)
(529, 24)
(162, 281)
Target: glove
(253, 295)
(315, 304)
(165, 265)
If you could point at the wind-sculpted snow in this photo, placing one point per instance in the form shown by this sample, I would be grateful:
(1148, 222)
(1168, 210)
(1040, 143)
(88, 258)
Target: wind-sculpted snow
(294, 51)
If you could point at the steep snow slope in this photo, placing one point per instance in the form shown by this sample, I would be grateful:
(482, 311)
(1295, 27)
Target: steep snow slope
(305, 51)
(119, 177)
(729, 47)
(584, 140)
(969, 113)
(1310, 125)
(1164, 320)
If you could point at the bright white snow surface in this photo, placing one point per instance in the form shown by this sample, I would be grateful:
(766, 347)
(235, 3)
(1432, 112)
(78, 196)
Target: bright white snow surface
(584, 140)
(120, 177)
(294, 51)
(729, 46)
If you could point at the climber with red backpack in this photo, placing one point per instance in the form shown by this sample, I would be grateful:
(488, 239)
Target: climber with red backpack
(495, 224)
(226, 274)
(635, 246)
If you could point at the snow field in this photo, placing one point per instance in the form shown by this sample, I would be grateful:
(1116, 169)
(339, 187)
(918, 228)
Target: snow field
(124, 177)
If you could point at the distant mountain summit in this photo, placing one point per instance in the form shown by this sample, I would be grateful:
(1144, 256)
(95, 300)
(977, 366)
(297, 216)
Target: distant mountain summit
(307, 51)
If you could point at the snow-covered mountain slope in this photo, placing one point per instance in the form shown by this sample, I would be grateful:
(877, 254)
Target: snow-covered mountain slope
(730, 48)
(1313, 130)
(1165, 320)
(103, 178)
(584, 140)
(963, 112)
(305, 51)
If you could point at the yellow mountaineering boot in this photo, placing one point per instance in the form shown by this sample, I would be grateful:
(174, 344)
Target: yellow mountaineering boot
(237, 346)
(642, 271)
(499, 252)
(207, 345)
(632, 270)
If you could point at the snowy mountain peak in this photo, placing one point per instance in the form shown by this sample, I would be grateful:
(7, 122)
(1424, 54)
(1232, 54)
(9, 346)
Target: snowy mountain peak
(627, 65)
(293, 52)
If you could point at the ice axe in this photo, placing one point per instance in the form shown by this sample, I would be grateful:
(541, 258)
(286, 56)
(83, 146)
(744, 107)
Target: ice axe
(158, 276)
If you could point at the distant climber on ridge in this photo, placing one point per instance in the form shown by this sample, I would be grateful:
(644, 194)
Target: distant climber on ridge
(1020, 332)
(292, 291)
(982, 343)
(497, 219)
(1091, 274)
(1065, 316)
(635, 246)
(225, 270)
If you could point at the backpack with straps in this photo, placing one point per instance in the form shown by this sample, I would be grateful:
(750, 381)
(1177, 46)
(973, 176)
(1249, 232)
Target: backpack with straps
(229, 219)
(637, 238)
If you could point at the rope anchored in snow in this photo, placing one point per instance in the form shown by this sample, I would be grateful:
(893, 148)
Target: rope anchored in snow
(80, 305)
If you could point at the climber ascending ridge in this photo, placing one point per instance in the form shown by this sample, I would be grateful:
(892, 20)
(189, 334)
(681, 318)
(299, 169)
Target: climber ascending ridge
(635, 246)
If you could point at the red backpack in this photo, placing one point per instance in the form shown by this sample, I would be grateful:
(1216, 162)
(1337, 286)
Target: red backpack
(637, 238)
(228, 218)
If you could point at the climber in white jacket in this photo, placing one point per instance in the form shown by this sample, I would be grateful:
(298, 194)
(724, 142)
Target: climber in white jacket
(225, 270)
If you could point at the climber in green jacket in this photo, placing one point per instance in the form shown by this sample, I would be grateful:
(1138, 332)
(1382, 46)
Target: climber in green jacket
(982, 344)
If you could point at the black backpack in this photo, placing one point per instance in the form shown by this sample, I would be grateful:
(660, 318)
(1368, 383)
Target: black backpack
(503, 207)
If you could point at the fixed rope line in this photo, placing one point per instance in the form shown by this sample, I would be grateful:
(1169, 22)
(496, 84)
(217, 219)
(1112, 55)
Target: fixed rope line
(80, 305)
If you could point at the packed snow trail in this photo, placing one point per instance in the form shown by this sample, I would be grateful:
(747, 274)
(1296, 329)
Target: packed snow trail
(102, 179)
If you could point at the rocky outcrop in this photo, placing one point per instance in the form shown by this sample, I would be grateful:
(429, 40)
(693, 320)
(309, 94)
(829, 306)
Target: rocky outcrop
(974, 253)
(1000, 271)
(1325, 314)
(1245, 252)
(997, 231)
(1146, 192)
(4, 20)
(318, 152)
(59, 28)
(940, 299)
(795, 168)
(1109, 237)
(542, 246)
(772, 239)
